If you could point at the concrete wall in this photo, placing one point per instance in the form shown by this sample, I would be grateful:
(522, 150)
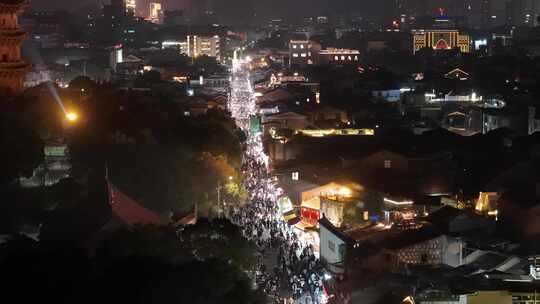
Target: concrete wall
(329, 246)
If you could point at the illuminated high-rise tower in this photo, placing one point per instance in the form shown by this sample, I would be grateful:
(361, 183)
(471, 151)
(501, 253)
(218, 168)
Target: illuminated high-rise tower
(156, 13)
(131, 7)
(12, 67)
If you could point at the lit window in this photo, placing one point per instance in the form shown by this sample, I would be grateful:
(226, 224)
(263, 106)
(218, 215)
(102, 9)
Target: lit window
(342, 57)
(336, 58)
(331, 246)
(387, 164)
(301, 46)
(295, 54)
(349, 58)
(355, 58)
(295, 176)
(294, 46)
(303, 55)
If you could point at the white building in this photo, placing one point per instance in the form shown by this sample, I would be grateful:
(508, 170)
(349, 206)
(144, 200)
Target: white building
(333, 246)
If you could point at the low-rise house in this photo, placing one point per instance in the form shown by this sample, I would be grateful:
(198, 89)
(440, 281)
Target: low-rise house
(455, 221)
(519, 212)
(285, 120)
(322, 114)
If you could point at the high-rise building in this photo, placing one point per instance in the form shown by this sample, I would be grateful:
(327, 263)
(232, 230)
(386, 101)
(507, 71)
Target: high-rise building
(485, 14)
(12, 67)
(174, 18)
(203, 46)
(197, 8)
(525, 12)
(119, 3)
(131, 7)
(156, 13)
(116, 56)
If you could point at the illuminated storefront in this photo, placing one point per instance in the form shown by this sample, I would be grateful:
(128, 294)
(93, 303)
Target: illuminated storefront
(310, 211)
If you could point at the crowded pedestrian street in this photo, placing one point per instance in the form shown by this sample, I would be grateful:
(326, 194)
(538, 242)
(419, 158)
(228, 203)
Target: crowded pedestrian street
(288, 269)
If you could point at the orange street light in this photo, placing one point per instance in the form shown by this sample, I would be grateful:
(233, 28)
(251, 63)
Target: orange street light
(72, 116)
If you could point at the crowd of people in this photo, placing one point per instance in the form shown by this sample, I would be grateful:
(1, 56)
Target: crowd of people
(295, 272)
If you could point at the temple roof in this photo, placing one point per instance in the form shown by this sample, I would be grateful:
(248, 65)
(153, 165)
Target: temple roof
(12, 2)
(128, 211)
(13, 6)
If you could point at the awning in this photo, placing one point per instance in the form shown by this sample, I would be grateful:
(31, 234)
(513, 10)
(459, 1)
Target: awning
(304, 226)
(312, 203)
(291, 218)
(293, 221)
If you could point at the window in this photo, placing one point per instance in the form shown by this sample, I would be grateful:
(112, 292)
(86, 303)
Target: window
(387, 164)
(331, 246)
(295, 176)
(301, 46)
(336, 58)
(295, 54)
(341, 252)
(303, 55)
(294, 46)
(4, 57)
(342, 57)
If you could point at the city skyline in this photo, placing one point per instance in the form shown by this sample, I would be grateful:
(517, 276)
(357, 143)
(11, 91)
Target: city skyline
(270, 151)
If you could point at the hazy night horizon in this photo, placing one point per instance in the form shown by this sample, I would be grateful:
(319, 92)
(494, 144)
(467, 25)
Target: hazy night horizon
(270, 151)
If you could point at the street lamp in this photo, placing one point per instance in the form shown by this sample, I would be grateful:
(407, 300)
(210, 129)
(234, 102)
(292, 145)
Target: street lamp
(72, 116)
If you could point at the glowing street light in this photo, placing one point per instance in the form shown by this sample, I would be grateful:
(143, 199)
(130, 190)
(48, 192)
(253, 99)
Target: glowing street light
(72, 116)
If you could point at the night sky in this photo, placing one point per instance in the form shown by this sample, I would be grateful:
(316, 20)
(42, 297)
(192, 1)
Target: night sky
(263, 8)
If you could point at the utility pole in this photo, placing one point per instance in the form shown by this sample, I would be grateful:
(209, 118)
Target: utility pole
(219, 196)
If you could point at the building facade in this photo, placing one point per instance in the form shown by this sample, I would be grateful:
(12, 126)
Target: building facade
(333, 56)
(203, 46)
(442, 35)
(156, 13)
(333, 247)
(303, 52)
(441, 39)
(12, 67)
(524, 12)
(131, 7)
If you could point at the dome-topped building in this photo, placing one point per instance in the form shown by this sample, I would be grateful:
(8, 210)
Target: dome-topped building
(12, 67)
